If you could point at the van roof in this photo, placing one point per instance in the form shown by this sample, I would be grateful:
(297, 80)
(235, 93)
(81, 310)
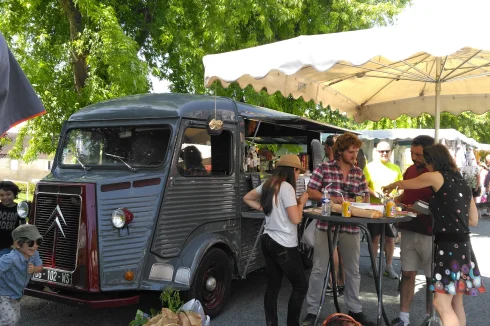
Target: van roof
(175, 105)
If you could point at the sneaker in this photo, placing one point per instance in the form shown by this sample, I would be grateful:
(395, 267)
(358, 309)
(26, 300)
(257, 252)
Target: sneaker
(390, 272)
(309, 320)
(398, 322)
(361, 318)
(341, 289)
(339, 293)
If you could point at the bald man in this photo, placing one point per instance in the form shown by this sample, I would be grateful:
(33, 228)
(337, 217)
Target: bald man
(378, 172)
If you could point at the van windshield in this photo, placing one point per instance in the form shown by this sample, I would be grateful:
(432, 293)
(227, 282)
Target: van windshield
(120, 147)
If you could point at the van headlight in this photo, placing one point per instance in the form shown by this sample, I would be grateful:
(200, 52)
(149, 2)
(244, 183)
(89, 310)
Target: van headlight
(121, 217)
(23, 209)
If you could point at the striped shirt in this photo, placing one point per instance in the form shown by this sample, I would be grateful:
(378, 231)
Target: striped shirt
(330, 172)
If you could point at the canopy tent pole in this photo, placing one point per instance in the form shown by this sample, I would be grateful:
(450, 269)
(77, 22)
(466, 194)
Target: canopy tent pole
(438, 103)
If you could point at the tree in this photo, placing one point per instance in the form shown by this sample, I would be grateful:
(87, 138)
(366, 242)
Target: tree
(74, 53)
(78, 52)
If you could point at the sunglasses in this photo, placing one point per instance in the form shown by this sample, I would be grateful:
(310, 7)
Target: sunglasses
(384, 151)
(30, 243)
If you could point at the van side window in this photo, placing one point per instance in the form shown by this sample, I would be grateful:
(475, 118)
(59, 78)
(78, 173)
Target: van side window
(203, 155)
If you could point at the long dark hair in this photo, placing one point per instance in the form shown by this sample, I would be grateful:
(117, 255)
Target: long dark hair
(270, 189)
(440, 158)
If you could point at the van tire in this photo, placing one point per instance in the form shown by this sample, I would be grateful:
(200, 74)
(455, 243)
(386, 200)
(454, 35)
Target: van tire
(214, 264)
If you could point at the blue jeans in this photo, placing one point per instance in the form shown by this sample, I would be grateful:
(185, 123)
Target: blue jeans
(5, 251)
(279, 261)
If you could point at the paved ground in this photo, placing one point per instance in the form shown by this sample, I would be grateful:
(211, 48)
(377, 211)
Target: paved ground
(245, 306)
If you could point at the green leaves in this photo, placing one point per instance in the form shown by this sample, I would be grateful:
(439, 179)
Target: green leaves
(140, 319)
(78, 52)
(74, 53)
(171, 299)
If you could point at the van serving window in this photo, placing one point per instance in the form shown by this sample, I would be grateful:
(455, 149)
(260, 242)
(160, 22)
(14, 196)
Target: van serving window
(204, 155)
(117, 147)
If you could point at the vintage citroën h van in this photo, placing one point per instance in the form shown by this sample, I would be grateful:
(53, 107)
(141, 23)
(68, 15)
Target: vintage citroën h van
(144, 195)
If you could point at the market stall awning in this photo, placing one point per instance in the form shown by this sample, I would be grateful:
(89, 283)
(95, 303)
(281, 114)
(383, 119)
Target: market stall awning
(401, 134)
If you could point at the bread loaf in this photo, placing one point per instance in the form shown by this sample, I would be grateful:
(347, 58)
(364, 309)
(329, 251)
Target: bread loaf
(358, 212)
(169, 318)
(189, 318)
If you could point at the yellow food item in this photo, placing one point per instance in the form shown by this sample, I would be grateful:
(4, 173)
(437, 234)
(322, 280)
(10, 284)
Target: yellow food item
(358, 212)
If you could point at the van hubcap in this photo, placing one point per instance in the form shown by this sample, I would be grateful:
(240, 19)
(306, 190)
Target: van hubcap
(211, 284)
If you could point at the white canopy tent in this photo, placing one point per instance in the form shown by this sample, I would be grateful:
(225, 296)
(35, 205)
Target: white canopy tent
(458, 144)
(442, 64)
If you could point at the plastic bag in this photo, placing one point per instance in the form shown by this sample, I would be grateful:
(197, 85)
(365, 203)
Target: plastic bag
(309, 234)
(195, 305)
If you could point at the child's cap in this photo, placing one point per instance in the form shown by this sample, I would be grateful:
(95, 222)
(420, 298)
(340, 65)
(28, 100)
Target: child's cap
(28, 231)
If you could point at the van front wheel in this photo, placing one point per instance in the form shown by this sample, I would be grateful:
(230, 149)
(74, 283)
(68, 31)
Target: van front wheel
(212, 283)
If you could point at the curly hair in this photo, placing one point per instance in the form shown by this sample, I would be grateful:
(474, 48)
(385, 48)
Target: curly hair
(343, 143)
(440, 158)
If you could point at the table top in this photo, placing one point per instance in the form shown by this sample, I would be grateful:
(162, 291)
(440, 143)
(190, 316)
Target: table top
(315, 213)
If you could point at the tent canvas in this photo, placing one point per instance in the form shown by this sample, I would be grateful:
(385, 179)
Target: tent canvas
(430, 67)
(458, 144)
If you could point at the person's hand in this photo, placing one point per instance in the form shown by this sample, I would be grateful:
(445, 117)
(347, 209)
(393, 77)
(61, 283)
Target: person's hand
(409, 208)
(303, 198)
(336, 200)
(388, 189)
(30, 268)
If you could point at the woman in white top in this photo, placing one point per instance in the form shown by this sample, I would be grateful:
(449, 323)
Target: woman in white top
(277, 199)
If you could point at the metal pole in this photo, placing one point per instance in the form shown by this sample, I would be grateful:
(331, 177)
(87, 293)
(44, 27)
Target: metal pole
(380, 274)
(438, 104)
(372, 256)
(330, 266)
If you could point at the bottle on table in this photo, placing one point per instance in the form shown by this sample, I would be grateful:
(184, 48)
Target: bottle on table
(390, 207)
(326, 207)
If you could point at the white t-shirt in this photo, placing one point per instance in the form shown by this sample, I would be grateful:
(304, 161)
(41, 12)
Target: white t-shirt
(277, 224)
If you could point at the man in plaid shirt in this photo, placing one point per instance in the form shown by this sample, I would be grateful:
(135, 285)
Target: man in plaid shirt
(345, 178)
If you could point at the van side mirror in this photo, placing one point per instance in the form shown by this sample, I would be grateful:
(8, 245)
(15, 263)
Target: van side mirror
(214, 125)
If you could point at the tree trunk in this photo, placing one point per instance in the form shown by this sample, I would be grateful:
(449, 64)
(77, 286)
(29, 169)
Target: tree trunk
(79, 59)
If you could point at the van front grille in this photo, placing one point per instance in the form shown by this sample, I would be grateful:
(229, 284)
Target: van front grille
(58, 219)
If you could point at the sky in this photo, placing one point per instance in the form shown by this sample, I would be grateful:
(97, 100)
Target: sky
(422, 11)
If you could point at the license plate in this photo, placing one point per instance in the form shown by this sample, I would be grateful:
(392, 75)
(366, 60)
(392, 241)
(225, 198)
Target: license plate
(55, 276)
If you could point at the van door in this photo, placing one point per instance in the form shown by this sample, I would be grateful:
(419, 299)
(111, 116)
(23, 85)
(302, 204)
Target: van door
(200, 195)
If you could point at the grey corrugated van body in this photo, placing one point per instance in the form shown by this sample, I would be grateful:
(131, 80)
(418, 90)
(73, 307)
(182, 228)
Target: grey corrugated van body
(144, 195)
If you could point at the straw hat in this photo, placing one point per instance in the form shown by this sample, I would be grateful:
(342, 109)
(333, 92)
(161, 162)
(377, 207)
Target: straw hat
(291, 161)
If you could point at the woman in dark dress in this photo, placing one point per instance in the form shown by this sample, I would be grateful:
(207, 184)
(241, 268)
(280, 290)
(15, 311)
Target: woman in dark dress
(456, 271)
